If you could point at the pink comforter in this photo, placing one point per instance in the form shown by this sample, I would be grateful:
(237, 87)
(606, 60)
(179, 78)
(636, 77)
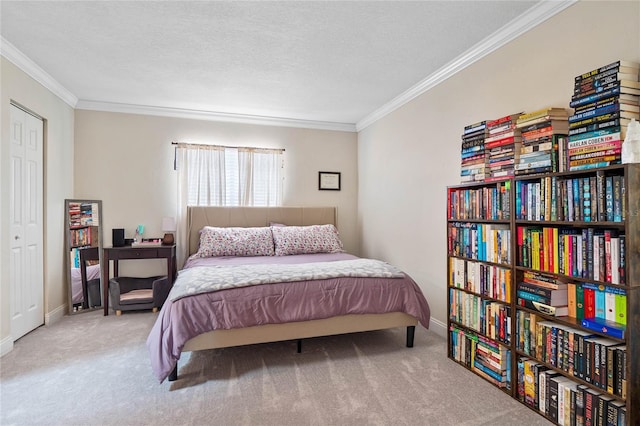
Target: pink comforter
(277, 303)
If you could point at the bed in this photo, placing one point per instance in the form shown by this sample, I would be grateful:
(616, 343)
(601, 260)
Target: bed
(277, 304)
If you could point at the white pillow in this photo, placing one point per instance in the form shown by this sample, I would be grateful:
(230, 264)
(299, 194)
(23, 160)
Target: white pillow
(306, 239)
(235, 242)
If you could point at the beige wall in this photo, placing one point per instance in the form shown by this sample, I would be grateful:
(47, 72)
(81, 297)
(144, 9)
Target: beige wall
(58, 176)
(406, 159)
(126, 160)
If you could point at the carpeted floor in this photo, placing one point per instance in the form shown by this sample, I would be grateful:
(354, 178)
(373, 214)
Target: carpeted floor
(88, 370)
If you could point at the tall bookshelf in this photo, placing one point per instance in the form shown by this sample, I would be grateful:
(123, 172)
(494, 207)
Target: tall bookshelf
(480, 273)
(548, 352)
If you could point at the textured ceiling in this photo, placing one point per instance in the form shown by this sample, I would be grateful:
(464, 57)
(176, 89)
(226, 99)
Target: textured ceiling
(328, 61)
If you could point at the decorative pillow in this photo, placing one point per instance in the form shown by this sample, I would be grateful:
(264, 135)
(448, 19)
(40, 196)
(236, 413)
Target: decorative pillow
(306, 239)
(235, 242)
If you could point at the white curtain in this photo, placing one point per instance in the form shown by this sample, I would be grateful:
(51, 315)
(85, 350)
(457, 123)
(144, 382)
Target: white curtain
(260, 177)
(210, 175)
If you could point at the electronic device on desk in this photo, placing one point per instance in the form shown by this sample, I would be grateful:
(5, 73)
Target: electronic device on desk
(118, 239)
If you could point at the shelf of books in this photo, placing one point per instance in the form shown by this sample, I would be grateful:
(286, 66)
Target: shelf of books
(576, 287)
(480, 272)
(543, 290)
(84, 222)
(544, 254)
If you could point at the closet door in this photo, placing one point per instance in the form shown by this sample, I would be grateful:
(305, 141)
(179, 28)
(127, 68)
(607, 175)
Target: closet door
(26, 228)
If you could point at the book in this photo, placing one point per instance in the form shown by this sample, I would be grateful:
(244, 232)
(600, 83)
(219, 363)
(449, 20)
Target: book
(603, 403)
(595, 152)
(621, 309)
(571, 299)
(475, 127)
(558, 125)
(626, 86)
(607, 119)
(621, 381)
(624, 112)
(589, 149)
(543, 280)
(608, 328)
(579, 411)
(604, 78)
(623, 104)
(530, 381)
(617, 65)
(589, 302)
(543, 308)
(541, 294)
(590, 406)
(556, 386)
(603, 81)
(541, 113)
(577, 142)
(564, 400)
(591, 125)
(614, 413)
(505, 120)
(582, 100)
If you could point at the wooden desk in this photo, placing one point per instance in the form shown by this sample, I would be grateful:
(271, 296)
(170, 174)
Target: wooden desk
(131, 253)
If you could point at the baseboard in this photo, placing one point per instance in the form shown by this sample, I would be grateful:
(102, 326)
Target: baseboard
(6, 345)
(55, 315)
(438, 327)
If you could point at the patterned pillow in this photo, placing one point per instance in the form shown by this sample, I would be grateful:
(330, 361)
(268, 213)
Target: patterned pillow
(235, 242)
(306, 239)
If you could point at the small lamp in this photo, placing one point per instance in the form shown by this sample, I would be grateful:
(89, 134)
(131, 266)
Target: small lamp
(168, 226)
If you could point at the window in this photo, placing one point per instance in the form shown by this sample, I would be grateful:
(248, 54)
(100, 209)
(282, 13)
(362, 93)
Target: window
(227, 176)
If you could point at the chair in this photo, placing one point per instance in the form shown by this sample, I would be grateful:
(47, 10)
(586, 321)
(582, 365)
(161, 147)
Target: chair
(132, 293)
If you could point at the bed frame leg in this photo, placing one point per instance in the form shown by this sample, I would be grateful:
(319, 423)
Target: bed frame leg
(299, 346)
(411, 332)
(173, 376)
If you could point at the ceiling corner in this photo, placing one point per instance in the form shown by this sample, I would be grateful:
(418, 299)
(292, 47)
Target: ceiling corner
(11, 53)
(533, 17)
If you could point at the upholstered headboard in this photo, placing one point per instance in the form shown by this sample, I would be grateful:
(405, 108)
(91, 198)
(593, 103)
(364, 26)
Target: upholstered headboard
(198, 217)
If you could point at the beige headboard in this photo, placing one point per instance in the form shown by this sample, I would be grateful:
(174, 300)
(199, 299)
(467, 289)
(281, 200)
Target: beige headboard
(198, 217)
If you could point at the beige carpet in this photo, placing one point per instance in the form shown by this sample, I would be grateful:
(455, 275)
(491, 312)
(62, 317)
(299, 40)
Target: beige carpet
(88, 370)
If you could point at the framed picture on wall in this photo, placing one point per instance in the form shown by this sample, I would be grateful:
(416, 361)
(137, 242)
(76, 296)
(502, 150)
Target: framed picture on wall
(329, 181)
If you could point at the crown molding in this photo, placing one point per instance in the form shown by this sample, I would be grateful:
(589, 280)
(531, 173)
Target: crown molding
(20, 60)
(213, 116)
(533, 17)
(536, 15)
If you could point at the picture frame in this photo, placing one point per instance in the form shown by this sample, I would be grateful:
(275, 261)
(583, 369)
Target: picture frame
(329, 181)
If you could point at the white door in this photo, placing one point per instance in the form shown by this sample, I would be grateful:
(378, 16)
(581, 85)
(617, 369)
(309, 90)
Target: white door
(26, 231)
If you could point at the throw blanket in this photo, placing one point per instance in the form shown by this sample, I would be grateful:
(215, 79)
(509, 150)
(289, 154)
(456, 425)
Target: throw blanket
(202, 279)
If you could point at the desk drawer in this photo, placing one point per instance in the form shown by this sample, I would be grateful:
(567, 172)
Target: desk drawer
(138, 254)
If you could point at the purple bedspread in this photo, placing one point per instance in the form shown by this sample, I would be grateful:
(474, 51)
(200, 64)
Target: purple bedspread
(277, 303)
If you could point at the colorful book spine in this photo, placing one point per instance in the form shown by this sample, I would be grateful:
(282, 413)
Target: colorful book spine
(608, 328)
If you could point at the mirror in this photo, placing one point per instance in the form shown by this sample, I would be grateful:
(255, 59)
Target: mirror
(83, 252)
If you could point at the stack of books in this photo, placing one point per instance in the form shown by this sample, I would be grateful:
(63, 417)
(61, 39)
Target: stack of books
(544, 134)
(487, 358)
(502, 147)
(473, 156)
(605, 101)
(542, 293)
